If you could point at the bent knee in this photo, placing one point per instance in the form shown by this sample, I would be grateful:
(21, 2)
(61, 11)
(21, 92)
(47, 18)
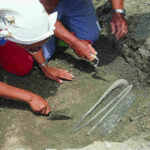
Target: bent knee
(94, 34)
(91, 33)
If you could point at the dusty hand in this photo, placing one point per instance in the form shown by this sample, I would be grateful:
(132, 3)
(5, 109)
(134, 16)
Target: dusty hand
(56, 73)
(84, 49)
(38, 104)
(119, 25)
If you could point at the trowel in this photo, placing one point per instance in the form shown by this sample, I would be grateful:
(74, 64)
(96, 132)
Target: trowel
(96, 65)
(97, 69)
(55, 116)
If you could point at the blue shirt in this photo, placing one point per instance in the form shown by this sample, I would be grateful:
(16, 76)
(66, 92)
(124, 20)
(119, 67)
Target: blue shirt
(2, 41)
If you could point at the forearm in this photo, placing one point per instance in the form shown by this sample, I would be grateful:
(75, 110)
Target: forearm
(39, 56)
(117, 4)
(62, 33)
(10, 92)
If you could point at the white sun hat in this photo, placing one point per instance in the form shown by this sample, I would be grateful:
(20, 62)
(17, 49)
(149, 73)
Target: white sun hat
(25, 21)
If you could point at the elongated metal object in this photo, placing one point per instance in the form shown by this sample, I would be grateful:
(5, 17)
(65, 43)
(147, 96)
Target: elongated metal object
(53, 116)
(118, 83)
(96, 65)
(118, 96)
(125, 92)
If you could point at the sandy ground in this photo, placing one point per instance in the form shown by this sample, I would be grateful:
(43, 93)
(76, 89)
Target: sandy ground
(21, 129)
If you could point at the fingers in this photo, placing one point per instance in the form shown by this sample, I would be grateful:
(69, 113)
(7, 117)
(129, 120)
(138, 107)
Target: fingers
(94, 56)
(113, 27)
(58, 74)
(92, 50)
(63, 74)
(119, 25)
(48, 110)
(90, 57)
(41, 108)
(119, 30)
(58, 80)
(124, 31)
(91, 54)
(39, 105)
(45, 108)
(43, 111)
(66, 75)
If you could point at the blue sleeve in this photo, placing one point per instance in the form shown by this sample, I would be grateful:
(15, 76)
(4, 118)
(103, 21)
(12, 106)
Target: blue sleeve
(3, 41)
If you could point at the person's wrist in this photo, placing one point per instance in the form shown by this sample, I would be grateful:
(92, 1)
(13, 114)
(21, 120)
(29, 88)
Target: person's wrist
(33, 51)
(44, 67)
(31, 95)
(75, 43)
(121, 11)
(43, 64)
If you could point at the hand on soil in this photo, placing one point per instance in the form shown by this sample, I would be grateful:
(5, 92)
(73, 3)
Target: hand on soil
(56, 74)
(39, 105)
(84, 49)
(119, 25)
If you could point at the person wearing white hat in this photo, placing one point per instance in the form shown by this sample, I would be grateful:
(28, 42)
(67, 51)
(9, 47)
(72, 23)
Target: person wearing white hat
(79, 17)
(28, 24)
(33, 31)
(23, 23)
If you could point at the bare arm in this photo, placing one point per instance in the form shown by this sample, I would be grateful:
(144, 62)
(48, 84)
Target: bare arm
(62, 33)
(10, 92)
(81, 48)
(117, 4)
(49, 5)
(37, 103)
(118, 23)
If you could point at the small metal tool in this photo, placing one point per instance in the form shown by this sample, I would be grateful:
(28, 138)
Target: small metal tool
(54, 116)
(97, 59)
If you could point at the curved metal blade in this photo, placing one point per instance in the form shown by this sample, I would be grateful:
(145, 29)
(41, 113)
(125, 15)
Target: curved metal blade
(58, 117)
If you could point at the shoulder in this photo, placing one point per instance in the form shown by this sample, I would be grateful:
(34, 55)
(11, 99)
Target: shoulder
(49, 5)
(49, 1)
(45, 2)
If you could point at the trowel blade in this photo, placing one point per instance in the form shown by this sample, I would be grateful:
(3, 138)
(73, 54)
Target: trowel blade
(58, 117)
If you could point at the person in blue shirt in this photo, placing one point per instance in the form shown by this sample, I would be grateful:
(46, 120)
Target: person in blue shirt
(74, 16)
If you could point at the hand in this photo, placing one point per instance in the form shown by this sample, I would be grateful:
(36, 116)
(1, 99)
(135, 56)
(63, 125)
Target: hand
(56, 73)
(84, 49)
(39, 105)
(119, 25)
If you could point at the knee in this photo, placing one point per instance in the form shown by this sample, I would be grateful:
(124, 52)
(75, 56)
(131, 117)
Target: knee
(94, 32)
(90, 33)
